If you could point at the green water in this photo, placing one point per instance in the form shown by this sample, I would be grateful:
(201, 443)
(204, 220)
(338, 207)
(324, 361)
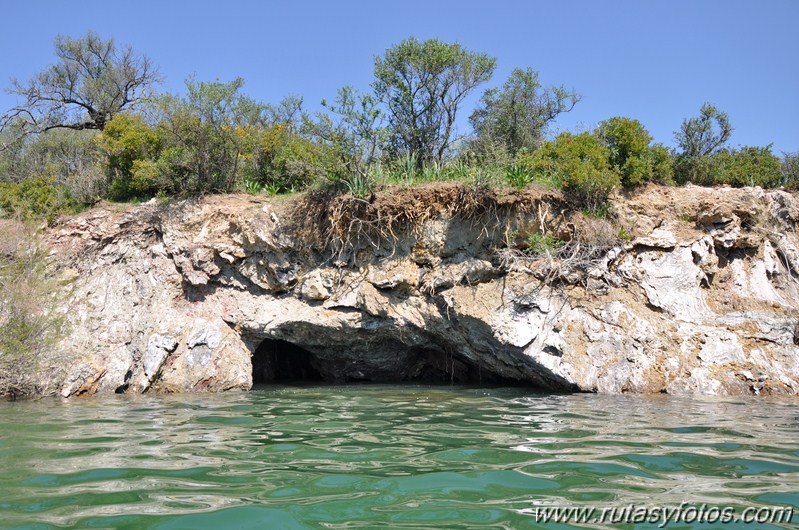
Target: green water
(386, 457)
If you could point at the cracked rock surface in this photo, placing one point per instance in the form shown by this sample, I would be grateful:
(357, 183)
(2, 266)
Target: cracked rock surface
(701, 298)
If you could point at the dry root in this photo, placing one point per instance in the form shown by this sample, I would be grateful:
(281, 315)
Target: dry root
(340, 225)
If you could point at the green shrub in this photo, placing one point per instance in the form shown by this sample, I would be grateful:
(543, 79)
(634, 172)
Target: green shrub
(700, 170)
(518, 176)
(580, 163)
(661, 164)
(748, 166)
(29, 323)
(538, 244)
(631, 154)
(542, 166)
(279, 158)
(36, 198)
(745, 166)
(131, 148)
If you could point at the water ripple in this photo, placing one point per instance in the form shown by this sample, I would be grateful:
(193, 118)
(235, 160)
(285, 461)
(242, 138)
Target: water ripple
(391, 456)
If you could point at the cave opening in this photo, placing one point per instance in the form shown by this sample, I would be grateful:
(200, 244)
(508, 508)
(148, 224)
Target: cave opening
(435, 366)
(278, 360)
(281, 361)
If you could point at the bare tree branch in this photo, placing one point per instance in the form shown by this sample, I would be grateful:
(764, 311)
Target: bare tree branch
(92, 81)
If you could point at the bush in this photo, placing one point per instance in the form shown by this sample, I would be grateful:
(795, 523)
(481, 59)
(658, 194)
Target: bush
(661, 164)
(29, 322)
(698, 170)
(790, 170)
(290, 162)
(631, 154)
(131, 147)
(581, 164)
(745, 166)
(748, 166)
(33, 198)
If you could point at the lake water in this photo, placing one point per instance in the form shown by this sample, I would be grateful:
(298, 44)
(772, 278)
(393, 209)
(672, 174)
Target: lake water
(384, 456)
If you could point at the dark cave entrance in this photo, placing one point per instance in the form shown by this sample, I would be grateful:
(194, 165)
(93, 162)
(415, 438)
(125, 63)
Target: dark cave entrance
(278, 360)
(434, 366)
(281, 361)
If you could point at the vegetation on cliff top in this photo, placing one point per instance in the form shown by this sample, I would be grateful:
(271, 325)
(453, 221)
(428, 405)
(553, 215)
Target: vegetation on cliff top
(91, 126)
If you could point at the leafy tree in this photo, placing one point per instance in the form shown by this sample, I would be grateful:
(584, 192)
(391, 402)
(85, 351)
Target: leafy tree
(360, 132)
(204, 135)
(517, 115)
(422, 85)
(698, 138)
(68, 159)
(12, 155)
(92, 81)
(355, 135)
(287, 113)
(703, 135)
(631, 153)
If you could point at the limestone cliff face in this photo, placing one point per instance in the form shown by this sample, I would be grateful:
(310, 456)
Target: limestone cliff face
(699, 296)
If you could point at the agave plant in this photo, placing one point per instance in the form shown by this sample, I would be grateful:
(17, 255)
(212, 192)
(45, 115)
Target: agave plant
(405, 171)
(459, 170)
(252, 186)
(359, 185)
(518, 176)
(431, 172)
(272, 189)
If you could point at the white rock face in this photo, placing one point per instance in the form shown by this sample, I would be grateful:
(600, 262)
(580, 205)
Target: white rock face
(180, 298)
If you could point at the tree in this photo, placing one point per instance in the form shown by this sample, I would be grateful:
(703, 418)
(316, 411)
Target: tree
(355, 132)
(699, 139)
(705, 134)
(205, 135)
(518, 114)
(790, 170)
(422, 85)
(92, 81)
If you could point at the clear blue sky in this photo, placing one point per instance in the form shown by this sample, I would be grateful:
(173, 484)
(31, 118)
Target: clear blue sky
(656, 61)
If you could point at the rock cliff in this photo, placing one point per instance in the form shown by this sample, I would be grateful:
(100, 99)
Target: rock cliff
(690, 290)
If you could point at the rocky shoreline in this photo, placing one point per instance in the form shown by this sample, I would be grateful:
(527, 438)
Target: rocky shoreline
(691, 290)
